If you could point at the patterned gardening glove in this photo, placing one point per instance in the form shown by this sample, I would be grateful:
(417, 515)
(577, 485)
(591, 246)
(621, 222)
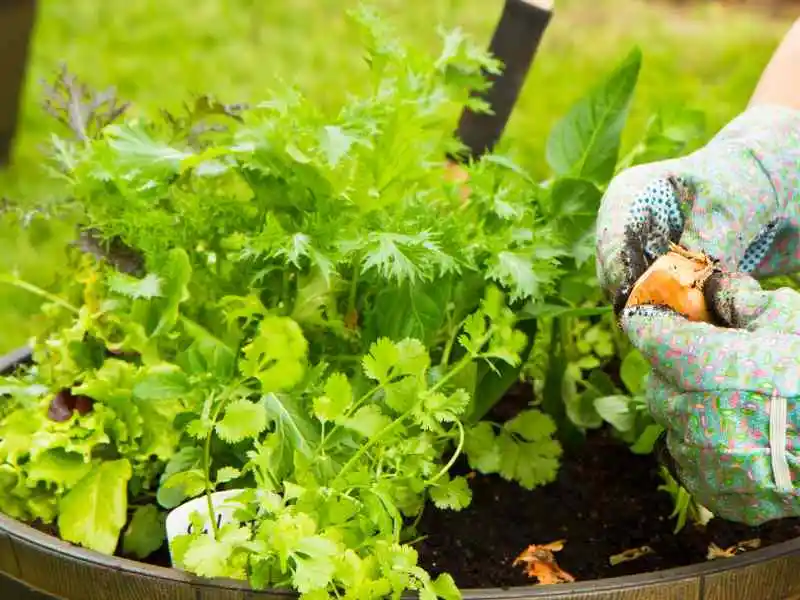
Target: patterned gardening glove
(736, 199)
(728, 396)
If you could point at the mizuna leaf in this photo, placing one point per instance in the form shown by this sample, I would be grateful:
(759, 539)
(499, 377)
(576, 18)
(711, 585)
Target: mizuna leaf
(585, 142)
(94, 512)
(176, 275)
(147, 287)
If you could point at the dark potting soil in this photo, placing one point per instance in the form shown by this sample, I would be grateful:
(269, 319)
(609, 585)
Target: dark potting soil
(605, 501)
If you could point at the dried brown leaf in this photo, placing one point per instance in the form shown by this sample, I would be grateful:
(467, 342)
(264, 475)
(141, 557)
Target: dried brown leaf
(715, 551)
(630, 554)
(540, 563)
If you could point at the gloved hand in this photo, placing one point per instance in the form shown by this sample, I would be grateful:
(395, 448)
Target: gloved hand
(727, 396)
(737, 199)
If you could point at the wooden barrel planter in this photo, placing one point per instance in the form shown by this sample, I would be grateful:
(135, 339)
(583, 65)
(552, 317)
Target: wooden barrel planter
(38, 566)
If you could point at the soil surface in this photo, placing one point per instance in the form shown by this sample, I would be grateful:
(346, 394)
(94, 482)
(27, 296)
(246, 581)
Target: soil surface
(605, 501)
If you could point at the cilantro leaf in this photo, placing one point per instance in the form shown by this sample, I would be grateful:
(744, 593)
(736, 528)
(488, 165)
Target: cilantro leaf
(383, 355)
(209, 557)
(93, 512)
(337, 399)
(243, 419)
(481, 448)
(314, 563)
(368, 421)
(453, 494)
(276, 356)
(533, 425)
(226, 474)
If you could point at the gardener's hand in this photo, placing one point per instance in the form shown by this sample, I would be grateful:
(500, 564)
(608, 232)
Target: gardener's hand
(737, 199)
(727, 396)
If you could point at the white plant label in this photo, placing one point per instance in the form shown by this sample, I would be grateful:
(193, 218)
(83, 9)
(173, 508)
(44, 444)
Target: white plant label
(179, 520)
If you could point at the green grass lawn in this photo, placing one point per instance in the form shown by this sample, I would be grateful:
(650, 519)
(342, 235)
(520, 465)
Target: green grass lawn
(157, 53)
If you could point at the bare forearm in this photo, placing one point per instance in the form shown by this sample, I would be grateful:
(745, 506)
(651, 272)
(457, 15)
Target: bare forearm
(780, 81)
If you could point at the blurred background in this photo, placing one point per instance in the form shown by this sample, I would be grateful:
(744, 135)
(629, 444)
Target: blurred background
(697, 54)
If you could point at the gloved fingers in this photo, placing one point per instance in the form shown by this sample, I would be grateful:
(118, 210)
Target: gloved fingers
(640, 215)
(698, 356)
(738, 301)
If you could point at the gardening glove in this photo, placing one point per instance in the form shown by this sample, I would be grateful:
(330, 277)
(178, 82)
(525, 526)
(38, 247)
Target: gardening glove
(728, 396)
(735, 199)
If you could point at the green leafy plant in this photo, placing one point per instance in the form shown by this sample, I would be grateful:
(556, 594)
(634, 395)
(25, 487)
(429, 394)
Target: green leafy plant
(686, 508)
(299, 304)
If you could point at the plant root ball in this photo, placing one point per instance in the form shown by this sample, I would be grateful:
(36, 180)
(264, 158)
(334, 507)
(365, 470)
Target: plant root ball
(676, 280)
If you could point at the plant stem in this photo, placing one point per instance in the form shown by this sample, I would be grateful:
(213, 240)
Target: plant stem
(358, 403)
(33, 289)
(453, 458)
(459, 366)
(448, 349)
(351, 299)
(207, 468)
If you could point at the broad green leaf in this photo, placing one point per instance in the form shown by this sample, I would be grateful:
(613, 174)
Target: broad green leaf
(145, 533)
(585, 142)
(493, 383)
(634, 371)
(209, 557)
(292, 421)
(226, 474)
(616, 411)
(444, 586)
(647, 440)
(178, 487)
(574, 199)
(161, 382)
(207, 354)
(315, 563)
(579, 405)
(416, 312)
(93, 513)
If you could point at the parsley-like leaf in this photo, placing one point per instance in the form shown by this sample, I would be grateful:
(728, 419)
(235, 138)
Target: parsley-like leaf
(243, 419)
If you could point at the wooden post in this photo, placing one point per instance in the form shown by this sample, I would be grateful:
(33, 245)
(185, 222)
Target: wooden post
(16, 24)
